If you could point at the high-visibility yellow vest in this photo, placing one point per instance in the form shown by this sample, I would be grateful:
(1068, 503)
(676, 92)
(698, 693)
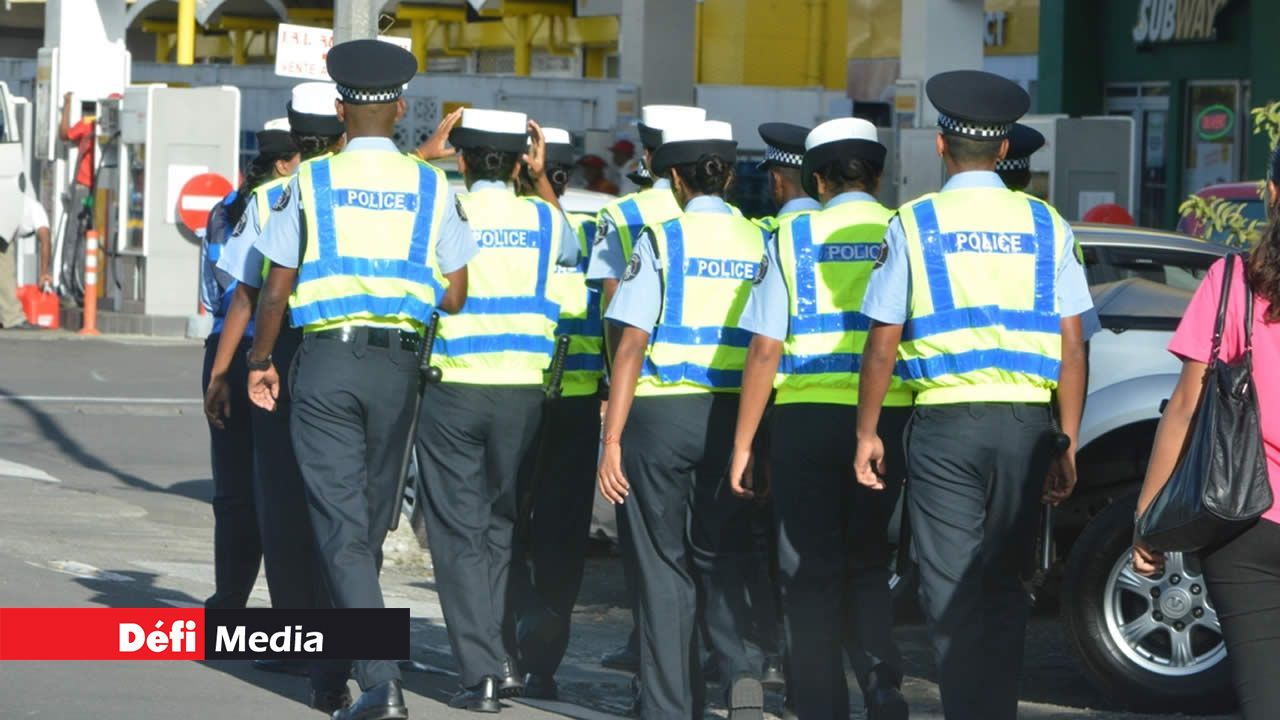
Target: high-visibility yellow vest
(266, 195)
(632, 213)
(708, 264)
(984, 322)
(372, 224)
(505, 334)
(826, 259)
(580, 316)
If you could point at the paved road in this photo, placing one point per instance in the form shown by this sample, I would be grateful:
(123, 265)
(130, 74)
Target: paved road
(104, 490)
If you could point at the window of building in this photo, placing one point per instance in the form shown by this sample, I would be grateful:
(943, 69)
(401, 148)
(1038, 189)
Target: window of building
(1213, 134)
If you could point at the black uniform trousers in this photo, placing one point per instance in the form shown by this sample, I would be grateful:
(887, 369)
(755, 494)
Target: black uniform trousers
(833, 553)
(471, 441)
(289, 550)
(352, 408)
(687, 527)
(975, 474)
(547, 564)
(237, 546)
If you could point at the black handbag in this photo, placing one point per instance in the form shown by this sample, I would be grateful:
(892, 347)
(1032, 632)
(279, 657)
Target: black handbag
(1220, 485)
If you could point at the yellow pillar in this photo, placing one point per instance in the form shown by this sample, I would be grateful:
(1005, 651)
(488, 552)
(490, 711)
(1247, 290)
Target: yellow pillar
(420, 31)
(813, 65)
(186, 32)
(697, 43)
(523, 46)
(162, 47)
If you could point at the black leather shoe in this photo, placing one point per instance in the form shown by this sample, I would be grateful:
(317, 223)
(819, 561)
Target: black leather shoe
(331, 702)
(284, 667)
(746, 699)
(625, 658)
(771, 676)
(541, 687)
(481, 698)
(509, 683)
(886, 703)
(384, 701)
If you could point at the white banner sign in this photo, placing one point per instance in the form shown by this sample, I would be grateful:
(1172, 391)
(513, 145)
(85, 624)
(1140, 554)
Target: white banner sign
(300, 50)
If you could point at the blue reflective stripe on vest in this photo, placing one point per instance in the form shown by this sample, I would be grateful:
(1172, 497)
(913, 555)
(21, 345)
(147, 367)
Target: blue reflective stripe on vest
(631, 213)
(500, 342)
(937, 245)
(544, 251)
(674, 311)
(697, 374)
(368, 267)
(806, 290)
(714, 335)
(983, 316)
(511, 305)
(322, 189)
(1012, 361)
(353, 305)
(830, 322)
(584, 363)
(820, 364)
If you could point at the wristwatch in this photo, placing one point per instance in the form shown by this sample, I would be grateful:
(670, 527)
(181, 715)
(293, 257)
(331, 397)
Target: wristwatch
(262, 364)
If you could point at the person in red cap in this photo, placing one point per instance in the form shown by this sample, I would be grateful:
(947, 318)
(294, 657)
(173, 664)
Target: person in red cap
(625, 162)
(593, 169)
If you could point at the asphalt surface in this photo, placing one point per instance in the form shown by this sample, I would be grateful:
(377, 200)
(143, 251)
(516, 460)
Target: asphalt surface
(104, 502)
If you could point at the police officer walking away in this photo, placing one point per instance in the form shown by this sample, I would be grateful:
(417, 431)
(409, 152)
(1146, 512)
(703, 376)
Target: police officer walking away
(668, 429)
(482, 417)
(1015, 168)
(783, 154)
(373, 241)
(559, 471)
(977, 297)
(833, 550)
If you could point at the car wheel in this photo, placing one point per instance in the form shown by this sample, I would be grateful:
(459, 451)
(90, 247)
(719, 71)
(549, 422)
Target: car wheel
(1151, 643)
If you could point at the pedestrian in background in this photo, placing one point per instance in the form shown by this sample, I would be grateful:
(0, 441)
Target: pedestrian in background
(594, 176)
(1243, 574)
(32, 220)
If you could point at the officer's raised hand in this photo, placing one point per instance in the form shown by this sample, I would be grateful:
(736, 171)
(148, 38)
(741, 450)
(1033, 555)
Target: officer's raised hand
(613, 484)
(437, 146)
(741, 473)
(868, 462)
(264, 387)
(536, 158)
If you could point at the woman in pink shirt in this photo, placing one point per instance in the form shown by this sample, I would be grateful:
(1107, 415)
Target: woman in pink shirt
(1243, 574)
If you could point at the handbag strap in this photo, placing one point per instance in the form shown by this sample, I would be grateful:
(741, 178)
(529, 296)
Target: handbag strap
(1248, 311)
(1225, 296)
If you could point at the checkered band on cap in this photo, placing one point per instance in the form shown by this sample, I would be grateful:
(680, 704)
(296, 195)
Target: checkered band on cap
(644, 173)
(1014, 164)
(369, 97)
(782, 157)
(973, 130)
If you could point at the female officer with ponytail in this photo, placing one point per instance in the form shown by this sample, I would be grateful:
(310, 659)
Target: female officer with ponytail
(668, 431)
(480, 420)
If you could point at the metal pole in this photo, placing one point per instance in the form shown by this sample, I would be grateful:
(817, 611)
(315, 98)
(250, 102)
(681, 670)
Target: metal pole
(186, 32)
(355, 19)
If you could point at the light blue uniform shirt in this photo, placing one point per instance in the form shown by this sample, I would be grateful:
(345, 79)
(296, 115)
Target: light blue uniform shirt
(638, 301)
(795, 205)
(279, 243)
(607, 262)
(568, 248)
(240, 259)
(768, 308)
(888, 298)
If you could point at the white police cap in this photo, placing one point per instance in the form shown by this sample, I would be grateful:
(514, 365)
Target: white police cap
(656, 118)
(840, 140)
(499, 129)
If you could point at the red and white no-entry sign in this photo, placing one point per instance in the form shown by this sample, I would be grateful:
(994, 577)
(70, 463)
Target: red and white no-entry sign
(198, 196)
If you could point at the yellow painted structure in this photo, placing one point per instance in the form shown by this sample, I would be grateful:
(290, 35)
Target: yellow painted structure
(799, 43)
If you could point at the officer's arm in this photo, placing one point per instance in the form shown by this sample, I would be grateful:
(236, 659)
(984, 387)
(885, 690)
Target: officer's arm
(878, 358)
(271, 306)
(1072, 378)
(887, 303)
(456, 248)
(766, 315)
(627, 358)
(243, 300)
(456, 294)
(281, 244)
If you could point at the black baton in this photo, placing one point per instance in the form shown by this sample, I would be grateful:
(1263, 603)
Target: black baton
(427, 375)
(556, 376)
(551, 392)
(1061, 443)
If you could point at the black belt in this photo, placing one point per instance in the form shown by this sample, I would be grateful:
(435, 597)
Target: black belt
(373, 337)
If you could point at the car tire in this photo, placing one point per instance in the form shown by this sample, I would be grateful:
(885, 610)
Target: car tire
(1138, 655)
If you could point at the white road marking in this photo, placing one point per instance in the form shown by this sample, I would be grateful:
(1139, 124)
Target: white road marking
(18, 470)
(88, 400)
(84, 570)
(97, 376)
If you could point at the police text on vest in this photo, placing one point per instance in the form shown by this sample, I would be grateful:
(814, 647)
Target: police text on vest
(999, 243)
(722, 269)
(849, 252)
(376, 200)
(502, 238)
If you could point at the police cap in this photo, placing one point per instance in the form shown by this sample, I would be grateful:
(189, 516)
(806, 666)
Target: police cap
(976, 104)
(1024, 141)
(840, 140)
(559, 146)
(784, 145)
(313, 111)
(687, 142)
(641, 177)
(370, 71)
(656, 118)
(275, 139)
(497, 129)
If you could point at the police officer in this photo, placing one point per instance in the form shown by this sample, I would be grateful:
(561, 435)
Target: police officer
(375, 244)
(289, 549)
(832, 533)
(482, 417)
(783, 154)
(1015, 169)
(668, 428)
(620, 223)
(237, 543)
(558, 474)
(977, 297)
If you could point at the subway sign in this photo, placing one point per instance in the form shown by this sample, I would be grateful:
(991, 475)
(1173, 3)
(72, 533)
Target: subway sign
(1168, 21)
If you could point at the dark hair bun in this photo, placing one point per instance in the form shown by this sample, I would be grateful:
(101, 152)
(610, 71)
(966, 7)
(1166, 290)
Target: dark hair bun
(712, 166)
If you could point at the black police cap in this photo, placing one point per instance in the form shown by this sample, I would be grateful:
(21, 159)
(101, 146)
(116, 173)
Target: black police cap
(784, 145)
(1024, 141)
(276, 142)
(370, 71)
(977, 104)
